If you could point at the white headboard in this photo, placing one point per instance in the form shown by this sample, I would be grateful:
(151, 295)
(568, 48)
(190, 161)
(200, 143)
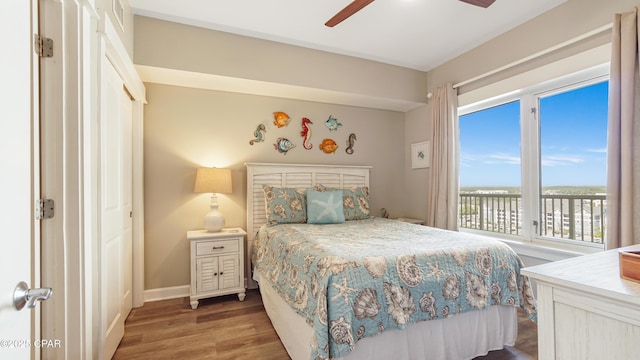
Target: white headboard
(292, 175)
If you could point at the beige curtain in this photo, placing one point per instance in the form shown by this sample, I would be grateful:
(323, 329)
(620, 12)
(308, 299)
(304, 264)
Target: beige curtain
(623, 152)
(442, 197)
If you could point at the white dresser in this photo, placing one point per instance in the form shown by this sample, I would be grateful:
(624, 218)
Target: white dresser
(217, 264)
(585, 310)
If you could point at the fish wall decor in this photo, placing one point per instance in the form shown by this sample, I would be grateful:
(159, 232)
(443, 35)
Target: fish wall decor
(332, 123)
(350, 141)
(306, 133)
(328, 146)
(281, 119)
(283, 145)
(258, 134)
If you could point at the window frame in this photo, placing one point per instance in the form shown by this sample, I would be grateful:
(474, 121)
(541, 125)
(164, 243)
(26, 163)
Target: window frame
(530, 155)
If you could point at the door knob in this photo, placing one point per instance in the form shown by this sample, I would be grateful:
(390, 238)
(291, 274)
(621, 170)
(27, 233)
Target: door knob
(22, 295)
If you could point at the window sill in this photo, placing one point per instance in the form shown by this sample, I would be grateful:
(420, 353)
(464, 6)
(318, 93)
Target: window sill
(544, 250)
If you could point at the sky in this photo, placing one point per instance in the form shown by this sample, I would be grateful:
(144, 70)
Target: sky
(573, 141)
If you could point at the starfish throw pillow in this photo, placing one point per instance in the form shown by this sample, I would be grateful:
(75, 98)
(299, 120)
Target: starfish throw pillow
(324, 207)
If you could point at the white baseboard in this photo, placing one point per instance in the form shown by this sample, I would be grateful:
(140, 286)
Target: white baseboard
(167, 293)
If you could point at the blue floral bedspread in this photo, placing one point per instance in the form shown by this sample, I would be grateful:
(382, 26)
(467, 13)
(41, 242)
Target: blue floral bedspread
(356, 279)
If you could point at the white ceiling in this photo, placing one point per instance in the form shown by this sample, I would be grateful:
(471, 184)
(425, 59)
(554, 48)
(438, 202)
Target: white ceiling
(418, 34)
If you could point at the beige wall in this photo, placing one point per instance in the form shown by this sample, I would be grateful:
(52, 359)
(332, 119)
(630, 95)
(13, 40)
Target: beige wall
(176, 46)
(416, 179)
(563, 23)
(186, 128)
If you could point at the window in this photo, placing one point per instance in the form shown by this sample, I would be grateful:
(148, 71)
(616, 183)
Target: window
(533, 163)
(490, 168)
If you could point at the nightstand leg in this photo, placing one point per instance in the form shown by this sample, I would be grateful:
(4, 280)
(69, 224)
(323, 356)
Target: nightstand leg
(194, 304)
(241, 296)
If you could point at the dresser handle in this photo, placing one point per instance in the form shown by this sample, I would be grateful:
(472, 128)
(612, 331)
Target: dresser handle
(221, 273)
(217, 248)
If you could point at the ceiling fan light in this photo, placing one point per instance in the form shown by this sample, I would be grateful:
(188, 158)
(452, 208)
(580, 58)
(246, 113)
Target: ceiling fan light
(481, 3)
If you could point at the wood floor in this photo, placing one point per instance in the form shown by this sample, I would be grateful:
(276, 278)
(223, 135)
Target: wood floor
(225, 328)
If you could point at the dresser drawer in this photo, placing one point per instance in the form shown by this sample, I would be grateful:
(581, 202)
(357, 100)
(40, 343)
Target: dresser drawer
(217, 247)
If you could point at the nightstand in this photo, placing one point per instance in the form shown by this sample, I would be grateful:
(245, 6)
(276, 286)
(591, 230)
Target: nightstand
(217, 263)
(409, 220)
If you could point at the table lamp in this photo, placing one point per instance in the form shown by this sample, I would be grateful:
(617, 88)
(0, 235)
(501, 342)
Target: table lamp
(214, 181)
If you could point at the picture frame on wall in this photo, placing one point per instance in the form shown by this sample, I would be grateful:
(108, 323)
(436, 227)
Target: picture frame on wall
(421, 155)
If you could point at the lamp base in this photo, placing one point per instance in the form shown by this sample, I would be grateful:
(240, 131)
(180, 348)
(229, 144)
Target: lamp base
(214, 221)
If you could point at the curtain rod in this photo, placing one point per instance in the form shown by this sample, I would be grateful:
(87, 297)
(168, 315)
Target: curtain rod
(564, 44)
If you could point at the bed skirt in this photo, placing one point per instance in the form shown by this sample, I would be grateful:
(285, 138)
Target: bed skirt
(463, 336)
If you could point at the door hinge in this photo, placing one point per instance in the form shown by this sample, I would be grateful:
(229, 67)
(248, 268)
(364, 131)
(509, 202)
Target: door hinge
(43, 46)
(45, 209)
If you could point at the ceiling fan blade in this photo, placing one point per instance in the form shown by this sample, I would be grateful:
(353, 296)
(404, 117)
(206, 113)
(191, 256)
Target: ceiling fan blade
(349, 10)
(481, 3)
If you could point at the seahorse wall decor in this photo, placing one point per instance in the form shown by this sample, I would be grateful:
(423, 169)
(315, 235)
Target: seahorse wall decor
(352, 139)
(306, 133)
(283, 145)
(258, 134)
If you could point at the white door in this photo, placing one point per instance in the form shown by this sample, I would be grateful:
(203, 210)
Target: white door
(18, 118)
(116, 207)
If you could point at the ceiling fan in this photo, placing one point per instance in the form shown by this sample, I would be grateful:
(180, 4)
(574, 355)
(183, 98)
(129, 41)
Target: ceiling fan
(357, 5)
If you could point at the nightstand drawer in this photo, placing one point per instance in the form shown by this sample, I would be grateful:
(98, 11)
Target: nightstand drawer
(216, 247)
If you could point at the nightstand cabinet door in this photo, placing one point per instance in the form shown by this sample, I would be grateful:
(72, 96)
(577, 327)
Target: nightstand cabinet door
(217, 272)
(217, 264)
(207, 274)
(229, 275)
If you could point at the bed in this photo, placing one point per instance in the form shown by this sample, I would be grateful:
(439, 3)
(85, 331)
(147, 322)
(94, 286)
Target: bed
(363, 288)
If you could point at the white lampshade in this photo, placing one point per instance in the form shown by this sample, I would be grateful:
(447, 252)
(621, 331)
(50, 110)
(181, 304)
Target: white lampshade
(213, 180)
